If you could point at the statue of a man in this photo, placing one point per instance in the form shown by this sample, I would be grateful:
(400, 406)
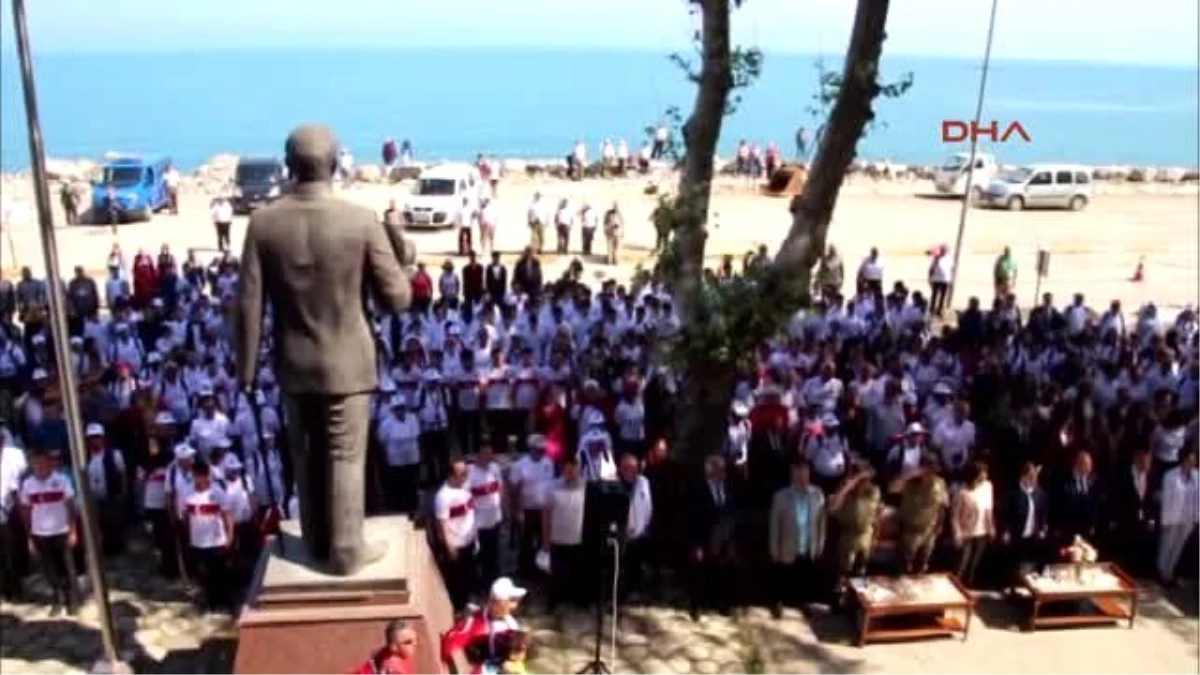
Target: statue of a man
(314, 258)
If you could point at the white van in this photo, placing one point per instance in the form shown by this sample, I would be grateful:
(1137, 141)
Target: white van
(439, 193)
(951, 177)
(1041, 186)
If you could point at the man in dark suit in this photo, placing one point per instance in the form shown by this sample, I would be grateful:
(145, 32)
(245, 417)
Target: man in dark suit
(1079, 500)
(313, 258)
(527, 275)
(472, 280)
(712, 541)
(496, 280)
(1023, 524)
(1132, 514)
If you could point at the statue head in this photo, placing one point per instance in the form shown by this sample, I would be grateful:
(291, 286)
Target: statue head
(311, 154)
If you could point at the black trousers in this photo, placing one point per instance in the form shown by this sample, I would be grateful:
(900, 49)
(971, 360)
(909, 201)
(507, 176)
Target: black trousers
(400, 488)
(564, 238)
(212, 572)
(502, 423)
(460, 576)
(969, 555)
(937, 297)
(529, 543)
(489, 555)
(249, 544)
(589, 236)
(468, 431)
(635, 556)
(163, 534)
(112, 525)
(223, 235)
(710, 585)
(796, 583)
(569, 581)
(58, 566)
(435, 454)
(14, 557)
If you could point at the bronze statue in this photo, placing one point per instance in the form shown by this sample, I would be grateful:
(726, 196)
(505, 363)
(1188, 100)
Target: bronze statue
(313, 258)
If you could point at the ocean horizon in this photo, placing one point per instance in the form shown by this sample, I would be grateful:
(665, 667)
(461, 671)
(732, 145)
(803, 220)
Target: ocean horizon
(534, 103)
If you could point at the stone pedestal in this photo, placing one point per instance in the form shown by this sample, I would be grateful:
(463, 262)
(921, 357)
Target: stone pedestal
(298, 619)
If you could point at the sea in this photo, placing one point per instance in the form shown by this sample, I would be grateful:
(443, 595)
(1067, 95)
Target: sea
(527, 103)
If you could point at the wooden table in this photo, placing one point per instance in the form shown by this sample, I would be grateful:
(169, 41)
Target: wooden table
(904, 608)
(1058, 597)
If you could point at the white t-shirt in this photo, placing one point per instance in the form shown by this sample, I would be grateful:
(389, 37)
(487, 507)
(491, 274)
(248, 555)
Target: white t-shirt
(222, 212)
(204, 510)
(49, 501)
(399, 438)
(486, 493)
(205, 432)
(499, 388)
(631, 420)
(872, 270)
(526, 385)
(533, 477)
(467, 385)
(154, 489)
(454, 509)
(239, 500)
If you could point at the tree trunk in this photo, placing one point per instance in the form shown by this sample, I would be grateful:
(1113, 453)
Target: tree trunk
(701, 133)
(790, 282)
(705, 394)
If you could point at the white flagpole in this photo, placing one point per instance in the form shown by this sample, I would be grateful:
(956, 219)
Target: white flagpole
(966, 203)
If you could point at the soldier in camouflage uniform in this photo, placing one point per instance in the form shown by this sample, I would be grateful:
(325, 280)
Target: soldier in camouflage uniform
(855, 506)
(923, 502)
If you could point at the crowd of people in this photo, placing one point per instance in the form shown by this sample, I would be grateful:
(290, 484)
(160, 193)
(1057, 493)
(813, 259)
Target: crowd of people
(864, 439)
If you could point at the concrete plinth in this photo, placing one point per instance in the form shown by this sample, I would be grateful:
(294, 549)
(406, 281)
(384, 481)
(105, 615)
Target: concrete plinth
(298, 619)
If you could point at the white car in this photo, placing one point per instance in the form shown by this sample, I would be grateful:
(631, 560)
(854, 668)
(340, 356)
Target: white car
(951, 177)
(440, 193)
(1041, 186)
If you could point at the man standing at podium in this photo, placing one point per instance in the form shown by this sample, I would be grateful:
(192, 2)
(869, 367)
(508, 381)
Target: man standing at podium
(313, 258)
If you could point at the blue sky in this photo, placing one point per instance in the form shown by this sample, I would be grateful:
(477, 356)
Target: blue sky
(1134, 31)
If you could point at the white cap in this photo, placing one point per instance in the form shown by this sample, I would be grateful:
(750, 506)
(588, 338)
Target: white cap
(223, 442)
(915, 428)
(93, 430)
(504, 589)
(432, 375)
(830, 421)
(594, 418)
(40, 374)
(231, 463)
(154, 357)
(399, 400)
(184, 451)
(76, 341)
(164, 417)
(39, 339)
(942, 389)
(205, 391)
(537, 441)
(740, 409)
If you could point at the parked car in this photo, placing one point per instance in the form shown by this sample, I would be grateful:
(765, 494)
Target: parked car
(1041, 186)
(439, 193)
(257, 181)
(951, 177)
(132, 188)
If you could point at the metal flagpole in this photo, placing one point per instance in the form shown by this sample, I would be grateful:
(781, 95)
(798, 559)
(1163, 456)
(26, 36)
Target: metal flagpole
(966, 203)
(58, 334)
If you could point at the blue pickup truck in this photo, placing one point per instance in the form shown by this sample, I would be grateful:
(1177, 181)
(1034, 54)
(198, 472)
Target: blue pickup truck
(130, 189)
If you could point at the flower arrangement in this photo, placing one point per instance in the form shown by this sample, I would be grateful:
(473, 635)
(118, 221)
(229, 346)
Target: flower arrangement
(1080, 552)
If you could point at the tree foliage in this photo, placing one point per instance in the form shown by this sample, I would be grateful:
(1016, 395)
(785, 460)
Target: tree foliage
(829, 85)
(723, 323)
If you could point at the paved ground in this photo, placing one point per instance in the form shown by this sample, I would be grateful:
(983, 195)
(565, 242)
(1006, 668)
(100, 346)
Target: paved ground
(162, 632)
